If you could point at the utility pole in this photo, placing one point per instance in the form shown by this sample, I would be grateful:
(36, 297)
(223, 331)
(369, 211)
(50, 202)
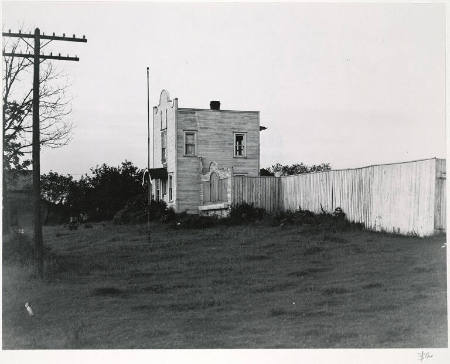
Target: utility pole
(36, 59)
(149, 185)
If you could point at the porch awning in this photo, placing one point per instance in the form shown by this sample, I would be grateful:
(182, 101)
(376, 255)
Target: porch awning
(158, 173)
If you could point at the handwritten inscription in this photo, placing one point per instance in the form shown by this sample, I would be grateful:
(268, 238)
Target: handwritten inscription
(423, 355)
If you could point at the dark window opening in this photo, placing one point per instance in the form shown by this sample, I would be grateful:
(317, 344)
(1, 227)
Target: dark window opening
(163, 146)
(189, 147)
(170, 188)
(239, 145)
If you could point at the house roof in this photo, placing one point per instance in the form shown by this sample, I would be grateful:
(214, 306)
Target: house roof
(196, 109)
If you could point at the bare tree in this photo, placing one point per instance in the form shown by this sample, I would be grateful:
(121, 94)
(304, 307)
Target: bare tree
(17, 97)
(54, 107)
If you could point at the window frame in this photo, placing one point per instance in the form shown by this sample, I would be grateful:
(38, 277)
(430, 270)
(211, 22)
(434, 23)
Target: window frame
(163, 188)
(195, 143)
(164, 155)
(244, 134)
(170, 183)
(157, 189)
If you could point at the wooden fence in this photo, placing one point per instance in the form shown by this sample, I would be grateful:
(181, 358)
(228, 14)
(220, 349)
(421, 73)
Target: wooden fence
(406, 198)
(215, 190)
(263, 192)
(440, 215)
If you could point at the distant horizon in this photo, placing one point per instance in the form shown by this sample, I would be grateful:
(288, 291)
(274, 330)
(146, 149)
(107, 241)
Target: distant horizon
(352, 85)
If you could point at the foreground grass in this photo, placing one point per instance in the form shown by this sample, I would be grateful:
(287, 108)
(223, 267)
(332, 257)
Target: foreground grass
(229, 287)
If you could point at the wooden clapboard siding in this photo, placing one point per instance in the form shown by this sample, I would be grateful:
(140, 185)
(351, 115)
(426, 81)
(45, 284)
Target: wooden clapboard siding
(214, 143)
(188, 167)
(215, 138)
(167, 110)
(406, 198)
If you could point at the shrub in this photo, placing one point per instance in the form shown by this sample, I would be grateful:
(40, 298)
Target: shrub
(334, 222)
(169, 215)
(184, 220)
(136, 210)
(157, 209)
(242, 213)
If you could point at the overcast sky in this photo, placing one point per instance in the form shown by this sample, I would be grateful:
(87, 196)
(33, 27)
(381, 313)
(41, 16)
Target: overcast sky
(348, 84)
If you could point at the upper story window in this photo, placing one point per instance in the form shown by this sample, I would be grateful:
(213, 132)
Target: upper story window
(190, 142)
(163, 117)
(163, 146)
(240, 144)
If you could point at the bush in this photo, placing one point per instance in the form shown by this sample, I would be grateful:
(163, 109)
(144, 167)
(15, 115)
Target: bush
(299, 217)
(158, 210)
(243, 213)
(136, 211)
(57, 214)
(334, 222)
(169, 216)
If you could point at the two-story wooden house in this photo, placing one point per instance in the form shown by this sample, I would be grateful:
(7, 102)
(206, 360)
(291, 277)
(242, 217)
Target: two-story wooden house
(194, 153)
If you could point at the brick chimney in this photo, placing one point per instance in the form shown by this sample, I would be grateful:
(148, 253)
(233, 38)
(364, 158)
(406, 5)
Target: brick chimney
(214, 105)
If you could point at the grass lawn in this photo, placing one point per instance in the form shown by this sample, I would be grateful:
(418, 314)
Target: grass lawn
(249, 286)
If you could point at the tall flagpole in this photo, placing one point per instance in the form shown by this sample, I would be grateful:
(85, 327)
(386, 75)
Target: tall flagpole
(148, 156)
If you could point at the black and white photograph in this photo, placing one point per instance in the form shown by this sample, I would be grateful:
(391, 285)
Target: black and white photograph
(234, 175)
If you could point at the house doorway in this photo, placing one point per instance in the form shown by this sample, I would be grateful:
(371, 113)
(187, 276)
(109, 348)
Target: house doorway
(214, 187)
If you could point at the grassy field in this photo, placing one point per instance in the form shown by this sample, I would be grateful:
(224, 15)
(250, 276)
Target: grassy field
(249, 286)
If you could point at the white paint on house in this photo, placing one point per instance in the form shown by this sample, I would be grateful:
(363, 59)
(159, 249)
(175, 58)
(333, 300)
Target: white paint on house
(186, 141)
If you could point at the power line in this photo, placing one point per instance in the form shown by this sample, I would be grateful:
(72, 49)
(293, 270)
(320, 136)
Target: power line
(37, 57)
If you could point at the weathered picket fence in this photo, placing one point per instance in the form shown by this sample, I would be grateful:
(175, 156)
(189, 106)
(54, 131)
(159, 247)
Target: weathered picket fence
(405, 198)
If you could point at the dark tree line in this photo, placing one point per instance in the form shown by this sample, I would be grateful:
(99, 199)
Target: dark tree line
(101, 194)
(293, 169)
(107, 189)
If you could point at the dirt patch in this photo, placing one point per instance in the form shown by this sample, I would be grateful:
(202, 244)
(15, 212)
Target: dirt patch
(422, 269)
(146, 307)
(199, 305)
(372, 285)
(256, 257)
(276, 312)
(290, 313)
(139, 274)
(275, 287)
(107, 292)
(308, 271)
(155, 288)
(313, 250)
(335, 239)
(377, 308)
(334, 291)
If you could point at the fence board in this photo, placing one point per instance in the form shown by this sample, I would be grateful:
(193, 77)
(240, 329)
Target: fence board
(440, 221)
